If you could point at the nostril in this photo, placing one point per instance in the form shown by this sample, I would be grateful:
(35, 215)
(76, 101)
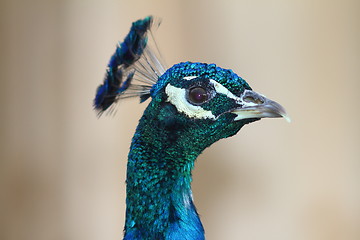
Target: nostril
(253, 100)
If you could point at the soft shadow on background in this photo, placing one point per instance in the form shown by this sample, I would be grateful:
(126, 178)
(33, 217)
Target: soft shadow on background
(62, 170)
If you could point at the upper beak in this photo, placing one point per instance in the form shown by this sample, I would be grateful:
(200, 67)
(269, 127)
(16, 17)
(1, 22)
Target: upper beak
(255, 105)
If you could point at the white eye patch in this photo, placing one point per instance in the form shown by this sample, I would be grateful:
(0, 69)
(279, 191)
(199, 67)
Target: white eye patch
(177, 97)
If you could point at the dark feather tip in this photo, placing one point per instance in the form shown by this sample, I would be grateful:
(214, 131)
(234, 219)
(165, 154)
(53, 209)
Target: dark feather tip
(126, 54)
(106, 93)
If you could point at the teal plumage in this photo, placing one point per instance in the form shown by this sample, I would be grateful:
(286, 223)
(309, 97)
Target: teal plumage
(192, 106)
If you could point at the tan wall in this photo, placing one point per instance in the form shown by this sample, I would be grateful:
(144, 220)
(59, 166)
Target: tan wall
(62, 170)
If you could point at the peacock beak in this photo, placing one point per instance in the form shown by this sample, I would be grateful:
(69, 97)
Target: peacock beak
(255, 105)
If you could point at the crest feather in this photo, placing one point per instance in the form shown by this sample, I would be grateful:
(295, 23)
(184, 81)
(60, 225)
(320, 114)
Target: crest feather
(133, 69)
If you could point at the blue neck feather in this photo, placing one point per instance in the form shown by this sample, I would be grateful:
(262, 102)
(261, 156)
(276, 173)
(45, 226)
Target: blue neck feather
(159, 200)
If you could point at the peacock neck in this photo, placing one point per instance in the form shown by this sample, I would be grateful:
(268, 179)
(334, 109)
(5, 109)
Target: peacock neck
(159, 199)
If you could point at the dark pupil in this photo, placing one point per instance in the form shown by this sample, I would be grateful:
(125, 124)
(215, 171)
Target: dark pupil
(197, 95)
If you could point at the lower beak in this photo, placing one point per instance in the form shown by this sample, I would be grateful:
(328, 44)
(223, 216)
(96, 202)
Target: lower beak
(255, 105)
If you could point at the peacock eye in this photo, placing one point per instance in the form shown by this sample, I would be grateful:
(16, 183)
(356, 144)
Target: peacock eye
(198, 95)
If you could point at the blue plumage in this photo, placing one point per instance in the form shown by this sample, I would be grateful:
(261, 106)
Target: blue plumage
(126, 54)
(192, 106)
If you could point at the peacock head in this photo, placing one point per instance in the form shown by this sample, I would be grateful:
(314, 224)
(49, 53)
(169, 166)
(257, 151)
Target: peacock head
(189, 100)
(209, 101)
(192, 106)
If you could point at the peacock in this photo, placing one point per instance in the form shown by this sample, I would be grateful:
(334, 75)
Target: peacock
(192, 106)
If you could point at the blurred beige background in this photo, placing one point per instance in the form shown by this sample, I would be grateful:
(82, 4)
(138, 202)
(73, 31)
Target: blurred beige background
(62, 169)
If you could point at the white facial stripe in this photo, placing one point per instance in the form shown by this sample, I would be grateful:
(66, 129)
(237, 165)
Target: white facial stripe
(244, 114)
(219, 88)
(189, 77)
(223, 90)
(176, 96)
